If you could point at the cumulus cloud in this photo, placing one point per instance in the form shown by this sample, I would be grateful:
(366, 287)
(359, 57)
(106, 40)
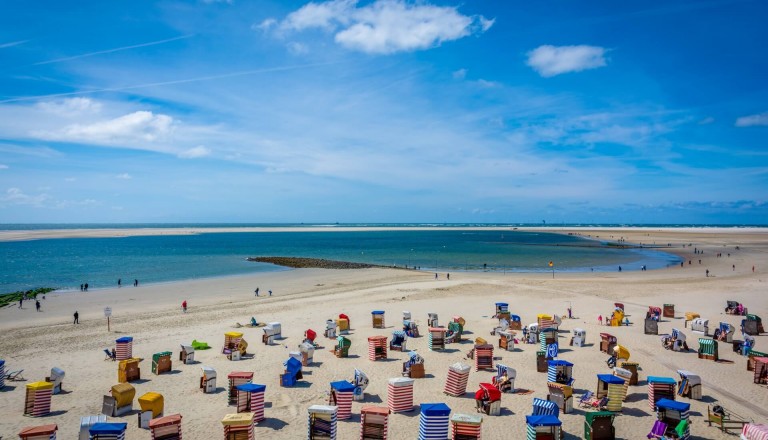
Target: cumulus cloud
(555, 60)
(16, 196)
(297, 48)
(460, 74)
(753, 120)
(193, 153)
(142, 126)
(124, 176)
(71, 107)
(384, 26)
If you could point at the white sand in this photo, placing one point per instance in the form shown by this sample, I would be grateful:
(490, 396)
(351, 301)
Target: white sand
(306, 298)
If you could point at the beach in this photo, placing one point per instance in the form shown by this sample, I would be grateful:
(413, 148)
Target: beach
(305, 298)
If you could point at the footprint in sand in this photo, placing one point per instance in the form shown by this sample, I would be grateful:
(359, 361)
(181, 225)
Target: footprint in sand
(285, 401)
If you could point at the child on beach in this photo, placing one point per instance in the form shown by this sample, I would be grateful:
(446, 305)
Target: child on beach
(184, 306)
(599, 319)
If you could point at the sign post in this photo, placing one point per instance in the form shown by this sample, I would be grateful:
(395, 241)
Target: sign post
(108, 313)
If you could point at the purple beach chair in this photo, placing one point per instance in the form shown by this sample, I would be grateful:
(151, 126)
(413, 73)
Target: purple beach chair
(658, 430)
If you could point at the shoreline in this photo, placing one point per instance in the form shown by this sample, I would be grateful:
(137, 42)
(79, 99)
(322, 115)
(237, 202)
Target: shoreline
(43, 234)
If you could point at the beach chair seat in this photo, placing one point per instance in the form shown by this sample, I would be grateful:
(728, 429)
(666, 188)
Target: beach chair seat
(15, 375)
(586, 399)
(109, 356)
(658, 430)
(601, 403)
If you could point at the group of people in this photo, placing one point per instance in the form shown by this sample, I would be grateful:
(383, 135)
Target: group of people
(257, 292)
(120, 283)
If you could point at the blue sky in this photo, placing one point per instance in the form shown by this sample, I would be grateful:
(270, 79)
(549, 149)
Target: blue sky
(384, 111)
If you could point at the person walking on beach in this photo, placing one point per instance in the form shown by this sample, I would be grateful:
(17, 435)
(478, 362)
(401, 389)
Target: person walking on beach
(435, 276)
(37, 305)
(257, 291)
(119, 282)
(77, 318)
(135, 283)
(599, 319)
(448, 276)
(184, 306)
(707, 273)
(21, 302)
(86, 287)
(81, 287)
(270, 293)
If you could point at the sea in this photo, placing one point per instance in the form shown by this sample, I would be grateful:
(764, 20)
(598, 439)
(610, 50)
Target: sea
(65, 263)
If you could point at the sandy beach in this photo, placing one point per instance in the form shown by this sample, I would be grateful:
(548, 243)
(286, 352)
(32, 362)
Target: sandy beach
(306, 298)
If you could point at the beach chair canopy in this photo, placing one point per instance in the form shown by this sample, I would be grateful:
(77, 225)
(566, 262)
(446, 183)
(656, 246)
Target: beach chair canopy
(753, 318)
(342, 386)
(619, 306)
(490, 391)
(654, 310)
(108, 429)
(608, 337)
(578, 331)
(610, 379)
(559, 363)
(591, 416)
(543, 420)
(515, 318)
(292, 365)
(435, 409)
(732, 304)
(124, 340)
(310, 334)
(677, 334)
(674, 405)
(661, 380)
(251, 387)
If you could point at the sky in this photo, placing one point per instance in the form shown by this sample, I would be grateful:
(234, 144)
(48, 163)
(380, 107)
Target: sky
(384, 111)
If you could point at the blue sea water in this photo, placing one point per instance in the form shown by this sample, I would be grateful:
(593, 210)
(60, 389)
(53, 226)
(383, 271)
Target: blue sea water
(66, 263)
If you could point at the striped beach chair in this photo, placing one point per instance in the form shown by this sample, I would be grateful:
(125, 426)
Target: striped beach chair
(660, 388)
(400, 394)
(612, 387)
(544, 407)
(168, 427)
(674, 414)
(456, 383)
(107, 431)
(124, 348)
(43, 432)
(373, 423)
(341, 397)
(708, 349)
(548, 426)
(250, 398)
(238, 426)
(38, 399)
(434, 421)
(321, 422)
(377, 348)
(466, 426)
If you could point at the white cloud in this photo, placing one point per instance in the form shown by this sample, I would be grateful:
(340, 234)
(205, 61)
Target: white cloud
(142, 126)
(124, 176)
(70, 179)
(12, 44)
(71, 107)
(326, 15)
(15, 196)
(460, 74)
(554, 60)
(193, 153)
(384, 26)
(297, 48)
(3, 166)
(753, 120)
(706, 121)
(265, 25)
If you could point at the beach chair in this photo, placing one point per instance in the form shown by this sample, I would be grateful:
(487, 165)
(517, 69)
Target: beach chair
(658, 430)
(586, 399)
(15, 375)
(109, 356)
(724, 419)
